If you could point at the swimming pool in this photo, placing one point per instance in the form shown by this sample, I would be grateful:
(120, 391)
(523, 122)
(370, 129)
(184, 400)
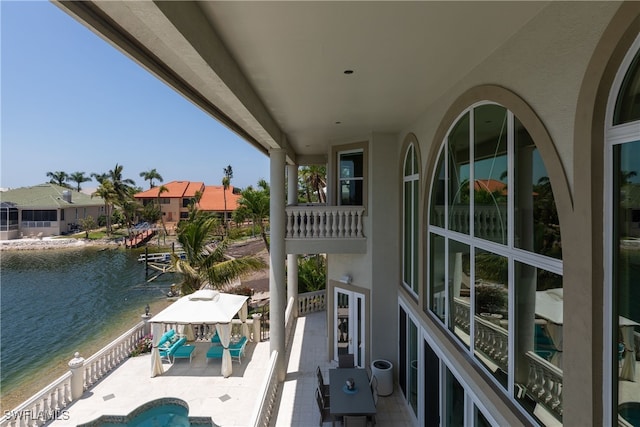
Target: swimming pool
(630, 411)
(165, 412)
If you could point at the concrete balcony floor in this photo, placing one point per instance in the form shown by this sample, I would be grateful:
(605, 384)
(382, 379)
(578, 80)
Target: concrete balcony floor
(228, 401)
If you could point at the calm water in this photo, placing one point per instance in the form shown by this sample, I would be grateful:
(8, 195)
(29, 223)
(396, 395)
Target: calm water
(52, 301)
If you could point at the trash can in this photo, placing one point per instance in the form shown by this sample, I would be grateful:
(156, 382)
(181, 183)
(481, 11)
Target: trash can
(383, 371)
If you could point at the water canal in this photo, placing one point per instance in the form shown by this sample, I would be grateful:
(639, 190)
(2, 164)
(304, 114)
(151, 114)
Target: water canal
(54, 301)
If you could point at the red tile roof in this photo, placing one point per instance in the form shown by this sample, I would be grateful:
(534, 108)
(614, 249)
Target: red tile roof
(212, 195)
(213, 199)
(176, 189)
(490, 185)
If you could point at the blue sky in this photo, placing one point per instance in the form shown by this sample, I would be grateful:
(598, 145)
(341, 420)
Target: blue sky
(71, 102)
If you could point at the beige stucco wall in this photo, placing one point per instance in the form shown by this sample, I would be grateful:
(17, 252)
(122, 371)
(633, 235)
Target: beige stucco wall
(557, 67)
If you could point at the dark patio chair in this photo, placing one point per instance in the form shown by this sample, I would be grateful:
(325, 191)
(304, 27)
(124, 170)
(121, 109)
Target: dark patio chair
(324, 388)
(355, 421)
(322, 407)
(346, 361)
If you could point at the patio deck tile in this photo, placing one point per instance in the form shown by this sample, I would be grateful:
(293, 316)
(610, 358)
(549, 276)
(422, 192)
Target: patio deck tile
(230, 402)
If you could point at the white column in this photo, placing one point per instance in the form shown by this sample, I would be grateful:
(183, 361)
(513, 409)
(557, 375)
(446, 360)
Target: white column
(292, 259)
(76, 366)
(277, 295)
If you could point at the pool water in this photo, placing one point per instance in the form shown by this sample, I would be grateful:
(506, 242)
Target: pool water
(630, 411)
(166, 412)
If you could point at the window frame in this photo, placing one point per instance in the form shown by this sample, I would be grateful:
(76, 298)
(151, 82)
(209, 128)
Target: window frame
(335, 198)
(614, 135)
(510, 251)
(414, 221)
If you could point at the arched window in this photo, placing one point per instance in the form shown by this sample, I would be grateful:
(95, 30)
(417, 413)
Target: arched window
(495, 252)
(623, 230)
(410, 224)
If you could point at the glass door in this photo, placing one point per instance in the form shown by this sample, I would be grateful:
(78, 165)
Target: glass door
(349, 325)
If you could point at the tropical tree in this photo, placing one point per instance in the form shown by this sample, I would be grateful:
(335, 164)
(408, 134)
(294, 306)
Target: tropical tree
(254, 204)
(78, 178)
(162, 189)
(226, 182)
(201, 267)
(313, 180)
(312, 273)
(88, 224)
(124, 190)
(99, 177)
(150, 176)
(107, 193)
(58, 177)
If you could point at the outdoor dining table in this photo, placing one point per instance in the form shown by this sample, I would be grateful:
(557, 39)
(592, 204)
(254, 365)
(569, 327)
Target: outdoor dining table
(347, 402)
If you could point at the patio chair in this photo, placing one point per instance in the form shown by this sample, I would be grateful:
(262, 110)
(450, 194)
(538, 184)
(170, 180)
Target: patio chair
(355, 421)
(324, 388)
(346, 361)
(324, 410)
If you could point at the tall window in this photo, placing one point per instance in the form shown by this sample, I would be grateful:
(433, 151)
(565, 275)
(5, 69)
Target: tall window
(494, 255)
(410, 196)
(623, 137)
(350, 178)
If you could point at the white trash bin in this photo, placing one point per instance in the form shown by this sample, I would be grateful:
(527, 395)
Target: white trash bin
(383, 371)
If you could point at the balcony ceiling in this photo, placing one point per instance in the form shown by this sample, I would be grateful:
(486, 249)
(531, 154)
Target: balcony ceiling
(274, 71)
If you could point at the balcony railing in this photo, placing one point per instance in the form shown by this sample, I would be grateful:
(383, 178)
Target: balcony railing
(490, 222)
(544, 381)
(324, 222)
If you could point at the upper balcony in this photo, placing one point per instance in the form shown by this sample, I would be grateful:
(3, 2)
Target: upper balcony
(325, 229)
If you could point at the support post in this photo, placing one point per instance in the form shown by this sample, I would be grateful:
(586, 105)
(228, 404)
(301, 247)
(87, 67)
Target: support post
(292, 259)
(76, 366)
(257, 317)
(277, 255)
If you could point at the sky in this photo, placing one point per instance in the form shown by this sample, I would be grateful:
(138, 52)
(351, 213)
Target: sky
(71, 102)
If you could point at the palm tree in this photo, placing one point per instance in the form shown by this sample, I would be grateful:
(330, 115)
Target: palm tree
(162, 189)
(254, 204)
(314, 181)
(58, 177)
(199, 267)
(99, 177)
(150, 176)
(226, 182)
(107, 193)
(78, 178)
(124, 191)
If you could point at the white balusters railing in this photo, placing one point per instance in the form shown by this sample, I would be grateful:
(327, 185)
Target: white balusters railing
(101, 363)
(48, 405)
(544, 384)
(490, 222)
(493, 341)
(264, 410)
(324, 222)
(311, 302)
(462, 314)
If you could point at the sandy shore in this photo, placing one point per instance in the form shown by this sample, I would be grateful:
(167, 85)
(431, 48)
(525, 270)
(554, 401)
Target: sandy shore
(51, 243)
(36, 382)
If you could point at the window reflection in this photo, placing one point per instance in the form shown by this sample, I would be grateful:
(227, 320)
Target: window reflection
(437, 276)
(538, 339)
(491, 292)
(626, 268)
(458, 148)
(490, 173)
(460, 290)
(537, 227)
